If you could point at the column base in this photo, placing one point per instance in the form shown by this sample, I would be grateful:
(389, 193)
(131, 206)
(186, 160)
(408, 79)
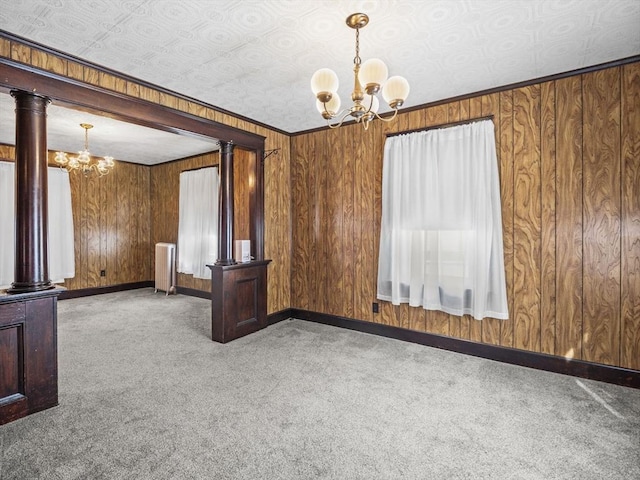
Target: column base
(17, 287)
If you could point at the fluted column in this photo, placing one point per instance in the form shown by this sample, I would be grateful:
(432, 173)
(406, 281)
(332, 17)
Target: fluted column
(31, 213)
(225, 206)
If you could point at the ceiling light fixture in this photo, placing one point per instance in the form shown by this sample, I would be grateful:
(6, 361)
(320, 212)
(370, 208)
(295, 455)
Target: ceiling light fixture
(83, 161)
(371, 74)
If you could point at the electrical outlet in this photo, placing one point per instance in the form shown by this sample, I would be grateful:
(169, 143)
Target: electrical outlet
(103, 273)
(375, 307)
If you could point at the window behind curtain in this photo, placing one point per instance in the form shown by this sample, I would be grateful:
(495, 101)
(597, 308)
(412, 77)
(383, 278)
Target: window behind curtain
(60, 225)
(441, 232)
(198, 221)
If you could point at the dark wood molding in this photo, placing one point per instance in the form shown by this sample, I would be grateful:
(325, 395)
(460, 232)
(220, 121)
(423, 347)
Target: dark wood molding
(539, 361)
(73, 93)
(192, 292)
(85, 292)
(99, 68)
(277, 317)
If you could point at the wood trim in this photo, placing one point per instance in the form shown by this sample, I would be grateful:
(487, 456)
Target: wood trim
(193, 292)
(85, 292)
(73, 93)
(539, 361)
(279, 316)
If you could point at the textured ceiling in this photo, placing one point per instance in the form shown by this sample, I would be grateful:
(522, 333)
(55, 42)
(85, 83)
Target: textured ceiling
(255, 57)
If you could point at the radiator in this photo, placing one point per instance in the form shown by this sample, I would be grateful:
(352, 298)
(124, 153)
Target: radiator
(166, 267)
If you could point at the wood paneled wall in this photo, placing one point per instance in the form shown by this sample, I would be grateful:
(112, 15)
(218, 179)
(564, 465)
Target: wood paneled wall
(277, 180)
(241, 205)
(569, 161)
(111, 225)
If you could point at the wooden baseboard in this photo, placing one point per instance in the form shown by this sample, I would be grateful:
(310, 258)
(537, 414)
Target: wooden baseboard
(279, 316)
(540, 361)
(85, 292)
(192, 292)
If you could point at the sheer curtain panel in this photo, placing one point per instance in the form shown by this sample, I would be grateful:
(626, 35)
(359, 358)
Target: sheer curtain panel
(198, 221)
(60, 225)
(441, 230)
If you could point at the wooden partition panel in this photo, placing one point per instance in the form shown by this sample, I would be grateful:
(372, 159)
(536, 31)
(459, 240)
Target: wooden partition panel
(630, 253)
(241, 211)
(568, 154)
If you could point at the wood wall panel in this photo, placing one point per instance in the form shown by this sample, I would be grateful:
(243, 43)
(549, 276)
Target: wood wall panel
(556, 213)
(241, 220)
(348, 234)
(527, 214)
(569, 228)
(601, 156)
(277, 205)
(301, 212)
(491, 106)
(506, 166)
(548, 218)
(332, 226)
(630, 268)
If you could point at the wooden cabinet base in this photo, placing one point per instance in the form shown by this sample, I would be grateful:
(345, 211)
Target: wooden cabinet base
(238, 299)
(28, 354)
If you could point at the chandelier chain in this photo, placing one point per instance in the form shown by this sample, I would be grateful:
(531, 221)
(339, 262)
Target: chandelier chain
(357, 59)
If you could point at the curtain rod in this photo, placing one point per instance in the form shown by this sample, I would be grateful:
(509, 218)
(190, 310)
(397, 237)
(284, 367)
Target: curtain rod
(198, 168)
(443, 125)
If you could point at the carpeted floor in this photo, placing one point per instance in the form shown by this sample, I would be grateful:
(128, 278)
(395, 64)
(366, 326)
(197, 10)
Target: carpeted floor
(145, 394)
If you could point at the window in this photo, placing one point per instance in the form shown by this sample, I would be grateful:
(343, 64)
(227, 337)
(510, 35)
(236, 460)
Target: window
(441, 231)
(198, 221)
(60, 225)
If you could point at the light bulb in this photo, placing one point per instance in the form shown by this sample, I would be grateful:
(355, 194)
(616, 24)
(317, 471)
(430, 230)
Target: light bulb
(373, 73)
(395, 91)
(330, 108)
(324, 81)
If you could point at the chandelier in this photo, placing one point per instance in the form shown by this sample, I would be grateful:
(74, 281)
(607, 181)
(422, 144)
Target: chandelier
(83, 161)
(371, 74)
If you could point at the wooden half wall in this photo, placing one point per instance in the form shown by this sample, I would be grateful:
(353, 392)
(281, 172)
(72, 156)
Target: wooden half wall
(569, 161)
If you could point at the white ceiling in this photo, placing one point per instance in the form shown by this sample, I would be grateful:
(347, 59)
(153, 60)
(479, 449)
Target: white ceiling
(255, 57)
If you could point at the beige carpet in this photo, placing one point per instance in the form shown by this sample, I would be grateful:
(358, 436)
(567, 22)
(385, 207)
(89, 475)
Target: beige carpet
(145, 394)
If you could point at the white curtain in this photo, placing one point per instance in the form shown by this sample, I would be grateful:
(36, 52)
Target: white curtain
(60, 225)
(441, 233)
(198, 221)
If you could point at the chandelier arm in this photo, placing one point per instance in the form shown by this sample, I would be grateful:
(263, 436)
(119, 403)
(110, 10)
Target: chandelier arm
(338, 125)
(390, 119)
(344, 113)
